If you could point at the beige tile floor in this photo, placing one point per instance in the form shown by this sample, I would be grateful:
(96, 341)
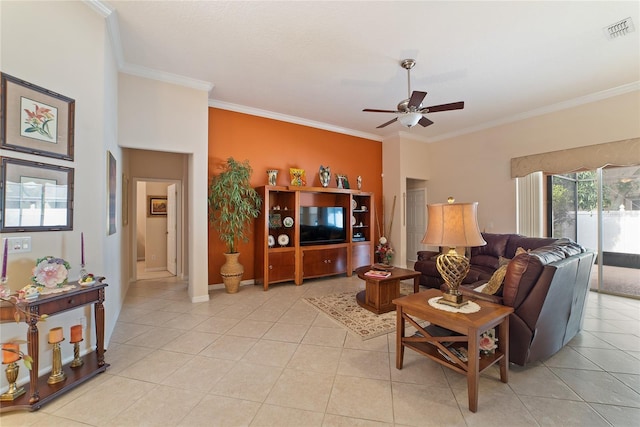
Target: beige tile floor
(269, 359)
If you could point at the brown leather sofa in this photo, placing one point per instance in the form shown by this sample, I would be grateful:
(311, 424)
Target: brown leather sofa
(547, 287)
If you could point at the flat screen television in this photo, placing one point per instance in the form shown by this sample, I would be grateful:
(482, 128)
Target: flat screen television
(322, 225)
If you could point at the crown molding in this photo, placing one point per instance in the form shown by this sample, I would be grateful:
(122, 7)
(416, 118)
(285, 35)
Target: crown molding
(576, 102)
(113, 29)
(290, 119)
(150, 73)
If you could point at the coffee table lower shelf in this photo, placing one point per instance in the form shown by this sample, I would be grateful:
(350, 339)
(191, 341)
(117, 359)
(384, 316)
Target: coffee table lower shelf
(48, 392)
(485, 361)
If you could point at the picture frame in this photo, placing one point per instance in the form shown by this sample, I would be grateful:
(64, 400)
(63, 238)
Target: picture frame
(125, 200)
(111, 193)
(298, 177)
(35, 196)
(35, 120)
(157, 206)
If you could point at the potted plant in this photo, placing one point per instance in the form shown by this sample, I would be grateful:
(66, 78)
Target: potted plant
(233, 204)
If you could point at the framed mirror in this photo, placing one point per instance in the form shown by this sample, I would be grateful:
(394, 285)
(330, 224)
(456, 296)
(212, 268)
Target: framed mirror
(35, 196)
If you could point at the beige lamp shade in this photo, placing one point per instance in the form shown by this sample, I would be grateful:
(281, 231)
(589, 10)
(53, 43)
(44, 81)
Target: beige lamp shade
(453, 225)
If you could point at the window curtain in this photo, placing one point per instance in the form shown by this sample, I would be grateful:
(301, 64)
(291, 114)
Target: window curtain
(529, 205)
(591, 157)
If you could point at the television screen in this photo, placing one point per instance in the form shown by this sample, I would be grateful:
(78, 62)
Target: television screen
(322, 224)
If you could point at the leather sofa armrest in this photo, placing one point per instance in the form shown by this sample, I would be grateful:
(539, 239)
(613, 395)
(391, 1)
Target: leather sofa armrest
(470, 293)
(426, 255)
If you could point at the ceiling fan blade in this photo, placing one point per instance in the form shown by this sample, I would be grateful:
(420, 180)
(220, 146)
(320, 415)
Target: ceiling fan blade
(424, 122)
(443, 107)
(416, 98)
(387, 123)
(372, 110)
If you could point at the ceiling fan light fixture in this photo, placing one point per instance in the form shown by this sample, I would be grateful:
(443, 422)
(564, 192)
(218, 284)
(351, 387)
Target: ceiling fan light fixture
(409, 119)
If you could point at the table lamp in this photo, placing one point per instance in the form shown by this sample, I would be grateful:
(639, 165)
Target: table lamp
(452, 225)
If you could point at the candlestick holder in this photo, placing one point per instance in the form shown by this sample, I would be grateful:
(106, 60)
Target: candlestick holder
(12, 375)
(57, 374)
(83, 272)
(5, 291)
(76, 362)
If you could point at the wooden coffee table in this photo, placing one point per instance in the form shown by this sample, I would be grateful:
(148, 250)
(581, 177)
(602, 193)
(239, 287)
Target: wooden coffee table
(379, 293)
(468, 326)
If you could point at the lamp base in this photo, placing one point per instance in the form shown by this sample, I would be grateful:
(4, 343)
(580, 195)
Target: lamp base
(452, 298)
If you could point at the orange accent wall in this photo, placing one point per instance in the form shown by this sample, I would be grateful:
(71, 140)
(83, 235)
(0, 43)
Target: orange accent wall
(273, 144)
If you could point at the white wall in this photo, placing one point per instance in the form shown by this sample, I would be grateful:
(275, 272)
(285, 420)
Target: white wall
(476, 167)
(402, 158)
(175, 120)
(74, 59)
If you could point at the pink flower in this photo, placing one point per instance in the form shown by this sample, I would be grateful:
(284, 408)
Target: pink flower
(487, 343)
(50, 275)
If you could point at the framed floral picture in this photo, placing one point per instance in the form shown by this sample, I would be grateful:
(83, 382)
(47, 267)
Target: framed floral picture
(35, 120)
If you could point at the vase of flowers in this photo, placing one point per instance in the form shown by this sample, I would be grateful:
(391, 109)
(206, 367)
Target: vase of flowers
(51, 272)
(384, 251)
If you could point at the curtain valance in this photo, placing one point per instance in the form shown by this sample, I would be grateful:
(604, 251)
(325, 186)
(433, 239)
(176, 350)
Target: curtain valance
(617, 153)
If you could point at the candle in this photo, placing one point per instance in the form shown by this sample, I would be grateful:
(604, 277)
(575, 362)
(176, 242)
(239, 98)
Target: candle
(76, 333)
(10, 356)
(82, 246)
(55, 335)
(4, 259)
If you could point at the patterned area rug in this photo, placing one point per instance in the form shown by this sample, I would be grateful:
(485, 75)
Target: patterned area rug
(344, 309)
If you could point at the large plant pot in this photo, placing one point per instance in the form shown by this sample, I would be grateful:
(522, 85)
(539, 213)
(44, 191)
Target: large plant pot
(231, 272)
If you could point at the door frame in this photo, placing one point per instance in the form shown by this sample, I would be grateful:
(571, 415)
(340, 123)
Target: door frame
(179, 224)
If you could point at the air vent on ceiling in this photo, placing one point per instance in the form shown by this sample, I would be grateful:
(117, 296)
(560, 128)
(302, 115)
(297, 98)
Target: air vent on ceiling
(619, 29)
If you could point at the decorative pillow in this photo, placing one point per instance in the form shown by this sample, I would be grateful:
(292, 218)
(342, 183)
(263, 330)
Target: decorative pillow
(521, 250)
(495, 282)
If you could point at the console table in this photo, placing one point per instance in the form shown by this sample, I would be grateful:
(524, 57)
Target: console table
(465, 330)
(38, 392)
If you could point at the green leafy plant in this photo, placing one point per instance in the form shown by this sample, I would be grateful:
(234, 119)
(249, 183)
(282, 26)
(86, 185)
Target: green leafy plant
(233, 203)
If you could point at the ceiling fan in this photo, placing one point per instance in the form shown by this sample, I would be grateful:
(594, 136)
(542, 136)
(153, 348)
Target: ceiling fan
(410, 111)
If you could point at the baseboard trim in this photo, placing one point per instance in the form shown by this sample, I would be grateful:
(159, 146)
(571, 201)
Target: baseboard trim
(221, 285)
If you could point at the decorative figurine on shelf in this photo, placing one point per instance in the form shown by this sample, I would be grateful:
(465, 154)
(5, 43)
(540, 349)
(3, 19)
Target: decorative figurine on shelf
(272, 176)
(342, 181)
(325, 176)
(359, 182)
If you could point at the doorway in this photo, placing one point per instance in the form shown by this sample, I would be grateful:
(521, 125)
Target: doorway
(157, 252)
(415, 214)
(600, 209)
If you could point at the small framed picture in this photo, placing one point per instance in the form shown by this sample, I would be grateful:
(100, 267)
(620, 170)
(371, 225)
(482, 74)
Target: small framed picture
(298, 177)
(35, 120)
(157, 206)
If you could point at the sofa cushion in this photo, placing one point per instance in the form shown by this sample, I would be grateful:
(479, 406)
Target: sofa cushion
(496, 245)
(485, 261)
(517, 241)
(522, 273)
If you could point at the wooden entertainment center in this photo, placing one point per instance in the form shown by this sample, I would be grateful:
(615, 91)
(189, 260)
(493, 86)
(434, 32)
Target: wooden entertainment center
(282, 251)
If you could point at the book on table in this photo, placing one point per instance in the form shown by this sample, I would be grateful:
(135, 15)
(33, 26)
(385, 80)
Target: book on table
(378, 274)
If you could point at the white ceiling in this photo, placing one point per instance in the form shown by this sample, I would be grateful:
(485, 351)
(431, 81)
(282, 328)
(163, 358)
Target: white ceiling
(324, 62)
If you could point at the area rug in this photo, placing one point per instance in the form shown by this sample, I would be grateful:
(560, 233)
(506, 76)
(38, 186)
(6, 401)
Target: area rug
(343, 309)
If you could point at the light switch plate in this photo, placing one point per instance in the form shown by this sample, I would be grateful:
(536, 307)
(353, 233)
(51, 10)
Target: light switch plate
(19, 244)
